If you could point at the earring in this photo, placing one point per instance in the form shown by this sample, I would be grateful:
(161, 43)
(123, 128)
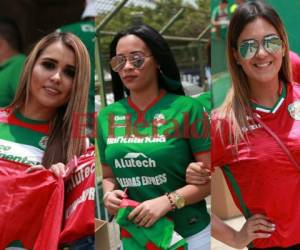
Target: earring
(160, 71)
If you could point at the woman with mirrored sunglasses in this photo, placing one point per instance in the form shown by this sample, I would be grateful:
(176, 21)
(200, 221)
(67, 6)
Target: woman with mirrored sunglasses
(256, 132)
(141, 142)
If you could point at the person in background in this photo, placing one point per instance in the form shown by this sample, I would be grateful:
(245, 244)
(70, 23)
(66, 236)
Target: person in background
(11, 60)
(220, 19)
(234, 7)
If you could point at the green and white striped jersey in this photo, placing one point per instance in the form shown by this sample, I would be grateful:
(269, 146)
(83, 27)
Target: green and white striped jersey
(21, 139)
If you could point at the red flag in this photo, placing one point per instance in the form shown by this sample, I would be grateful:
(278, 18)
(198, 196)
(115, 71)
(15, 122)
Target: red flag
(31, 207)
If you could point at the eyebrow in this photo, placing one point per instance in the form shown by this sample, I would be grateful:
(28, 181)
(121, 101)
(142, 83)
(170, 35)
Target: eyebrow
(56, 61)
(132, 52)
(251, 39)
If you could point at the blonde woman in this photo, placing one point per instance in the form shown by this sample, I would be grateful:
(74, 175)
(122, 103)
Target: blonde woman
(52, 91)
(40, 127)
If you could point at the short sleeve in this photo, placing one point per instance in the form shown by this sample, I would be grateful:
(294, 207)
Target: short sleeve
(295, 61)
(199, 128)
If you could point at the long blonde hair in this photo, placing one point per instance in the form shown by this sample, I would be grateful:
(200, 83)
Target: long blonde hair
(236, 108)
(61, 145)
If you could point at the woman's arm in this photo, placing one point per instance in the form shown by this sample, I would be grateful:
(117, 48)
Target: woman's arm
(148, 212)
(193, 192)
(59, 169)
(240, 239)
(112, 196)
(109, 182)
(198, 173)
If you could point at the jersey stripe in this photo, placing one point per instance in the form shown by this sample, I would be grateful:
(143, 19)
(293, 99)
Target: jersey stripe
(10, 118)
(237, 191)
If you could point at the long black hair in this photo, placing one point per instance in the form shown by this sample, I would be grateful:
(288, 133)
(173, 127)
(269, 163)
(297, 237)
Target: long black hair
(168, 72)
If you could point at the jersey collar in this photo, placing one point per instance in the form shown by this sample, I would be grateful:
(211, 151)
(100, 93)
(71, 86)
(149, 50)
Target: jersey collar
(261, 108)
(141, 113)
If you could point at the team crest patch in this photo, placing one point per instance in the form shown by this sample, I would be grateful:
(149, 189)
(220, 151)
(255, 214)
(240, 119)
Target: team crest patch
(159, 119)
(294, 110)
(43, 142)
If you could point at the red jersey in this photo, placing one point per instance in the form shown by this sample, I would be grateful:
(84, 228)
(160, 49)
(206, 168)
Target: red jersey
(295, 62)
(260, 176)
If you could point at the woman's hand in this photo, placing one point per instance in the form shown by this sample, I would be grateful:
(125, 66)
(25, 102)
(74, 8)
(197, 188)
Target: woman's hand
(197, 174)
(148, 212)
(59, 169)
(256, 227)
(112, 200)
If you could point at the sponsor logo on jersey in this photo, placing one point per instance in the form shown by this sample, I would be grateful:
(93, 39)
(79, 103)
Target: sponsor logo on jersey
(135, 160)
(138, 181)
(87, 194)
(136, 140)
(159, 119)
(251, 127)
(87, 28)
(294, 110)
(79, 175)
(19, 152)
(43, 142)
(120, 117)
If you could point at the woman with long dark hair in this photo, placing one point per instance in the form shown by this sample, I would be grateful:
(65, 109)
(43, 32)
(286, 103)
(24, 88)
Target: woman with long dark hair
(150, 135)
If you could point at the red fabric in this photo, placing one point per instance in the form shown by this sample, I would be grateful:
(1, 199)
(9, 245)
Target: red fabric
(31, 207)
(268, 182)
(80, 197)
(125, 233)
(151, 246)
(295, 62)
(129, 203)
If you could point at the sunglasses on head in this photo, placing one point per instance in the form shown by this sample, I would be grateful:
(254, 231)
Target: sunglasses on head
(136, 59)
(271, 44)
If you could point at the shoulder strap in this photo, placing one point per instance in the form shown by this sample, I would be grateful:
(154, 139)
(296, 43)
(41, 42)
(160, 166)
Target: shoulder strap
(277, 139)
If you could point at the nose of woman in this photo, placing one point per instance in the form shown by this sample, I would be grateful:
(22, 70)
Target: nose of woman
(56, 76)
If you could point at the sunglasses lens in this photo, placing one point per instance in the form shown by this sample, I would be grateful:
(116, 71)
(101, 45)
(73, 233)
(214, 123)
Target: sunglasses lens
(137, 60)
(117, 63)
(272, 44)
(248, 49)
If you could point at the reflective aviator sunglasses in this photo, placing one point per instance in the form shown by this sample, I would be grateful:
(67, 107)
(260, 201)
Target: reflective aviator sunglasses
(271, 44)
(136, 59)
